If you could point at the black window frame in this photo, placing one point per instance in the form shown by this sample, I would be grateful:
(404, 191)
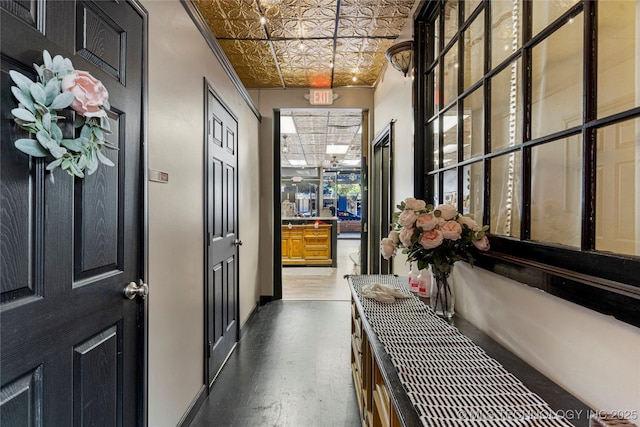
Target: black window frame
(605, 282)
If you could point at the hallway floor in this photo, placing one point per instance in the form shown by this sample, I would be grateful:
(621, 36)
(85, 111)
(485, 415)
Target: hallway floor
(291, 368)
(321, 283)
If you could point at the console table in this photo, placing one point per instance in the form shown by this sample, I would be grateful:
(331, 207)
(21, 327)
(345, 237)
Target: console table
(411, 368)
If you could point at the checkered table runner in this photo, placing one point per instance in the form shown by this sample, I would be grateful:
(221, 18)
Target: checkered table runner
(449, 379)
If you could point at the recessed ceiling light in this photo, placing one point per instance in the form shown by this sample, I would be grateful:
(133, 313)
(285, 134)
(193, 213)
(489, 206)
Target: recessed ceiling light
(287, 125)
(351, 162)
(298, 162)
(337, 149)
(263, 20)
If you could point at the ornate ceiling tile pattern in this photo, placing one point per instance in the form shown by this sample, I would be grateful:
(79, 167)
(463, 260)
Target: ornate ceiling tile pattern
(301, 39)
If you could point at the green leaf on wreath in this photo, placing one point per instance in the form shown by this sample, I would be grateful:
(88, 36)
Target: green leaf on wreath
(62, 101)
(51, 90)
(23, 98)
(31, 147)
(104, 159)
(23, 82)
(54, 164)
(37, 91)
(23, 114)
(72, 144)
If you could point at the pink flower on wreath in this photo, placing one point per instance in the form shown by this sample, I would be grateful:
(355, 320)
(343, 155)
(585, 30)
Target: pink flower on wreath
(89, 93)
(451, 230)
(431, 239)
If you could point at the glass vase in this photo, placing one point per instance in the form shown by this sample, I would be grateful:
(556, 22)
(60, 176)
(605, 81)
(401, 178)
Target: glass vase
(441, 298)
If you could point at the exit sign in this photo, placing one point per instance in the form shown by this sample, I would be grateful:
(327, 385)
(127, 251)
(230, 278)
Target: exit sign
(320, 96)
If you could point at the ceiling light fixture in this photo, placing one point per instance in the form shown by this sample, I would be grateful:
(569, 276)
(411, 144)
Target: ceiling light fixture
(263, 20)
(337, 149)
(400, 56)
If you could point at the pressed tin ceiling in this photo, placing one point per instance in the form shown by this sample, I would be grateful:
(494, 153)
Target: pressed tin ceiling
(306, 43)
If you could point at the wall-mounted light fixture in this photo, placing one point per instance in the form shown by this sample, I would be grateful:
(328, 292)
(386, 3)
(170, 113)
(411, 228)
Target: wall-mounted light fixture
(400, 56)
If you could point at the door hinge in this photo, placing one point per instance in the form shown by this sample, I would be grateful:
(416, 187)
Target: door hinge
(209, 349)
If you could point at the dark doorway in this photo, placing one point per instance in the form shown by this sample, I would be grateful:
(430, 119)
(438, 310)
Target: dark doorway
(221, 186)
(380, 194)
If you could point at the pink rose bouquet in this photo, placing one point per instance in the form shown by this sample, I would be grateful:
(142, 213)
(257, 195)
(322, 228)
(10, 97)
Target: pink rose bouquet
(436, 237)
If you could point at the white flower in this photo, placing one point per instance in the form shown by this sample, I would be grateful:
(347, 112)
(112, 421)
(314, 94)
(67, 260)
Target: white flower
(395, 237)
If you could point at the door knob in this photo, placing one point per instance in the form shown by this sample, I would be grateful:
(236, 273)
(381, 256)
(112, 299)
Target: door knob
(133, 290)
(237, 242)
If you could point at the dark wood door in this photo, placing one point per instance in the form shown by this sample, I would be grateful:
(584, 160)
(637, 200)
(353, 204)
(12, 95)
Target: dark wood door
(221, 217)
(71, 344)
(381, 210)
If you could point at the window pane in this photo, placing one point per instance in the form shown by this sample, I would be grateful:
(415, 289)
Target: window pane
(436, 89)
(473, 191)
(557, 80)
(451, 74)
(450, 135)
(506, 29)
(436, 190)
(618, 50)
(473, 124)
(506, 107)
(434, 126)
(474, 51)
(545, 12)
(505, 195)
(618, 188)
(450, 20)
(556, 191)
(436, 37)
(450, 188)
(470, 6)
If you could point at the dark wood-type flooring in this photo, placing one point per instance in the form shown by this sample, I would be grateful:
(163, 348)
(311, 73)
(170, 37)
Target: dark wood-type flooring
(292, 367)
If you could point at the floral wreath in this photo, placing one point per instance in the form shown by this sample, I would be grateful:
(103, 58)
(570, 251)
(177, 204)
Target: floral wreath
(60, 86)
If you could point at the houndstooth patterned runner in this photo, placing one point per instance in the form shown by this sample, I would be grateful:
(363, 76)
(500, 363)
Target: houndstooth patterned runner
(449, 379)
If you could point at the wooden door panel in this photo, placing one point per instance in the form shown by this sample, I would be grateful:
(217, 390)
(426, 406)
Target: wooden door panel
(100, 40)
(97, 374)
(217, 186)
(98, 206)
(221, 215)
(69, 351)
(230, 203)
(21, 400)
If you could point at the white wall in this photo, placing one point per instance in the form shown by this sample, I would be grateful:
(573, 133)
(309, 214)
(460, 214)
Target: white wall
(179, 59)
(392, 101)
(594, 357)
(267, 100)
